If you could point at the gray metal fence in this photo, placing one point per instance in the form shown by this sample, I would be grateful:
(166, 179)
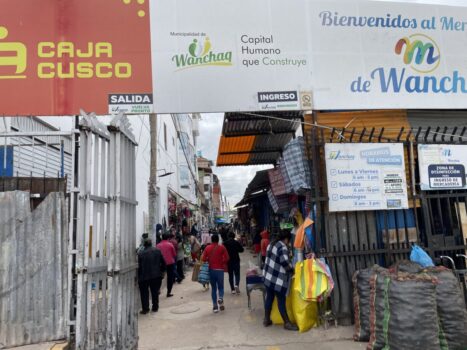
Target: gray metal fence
(33, 269)
(72, 274)
(103, 307)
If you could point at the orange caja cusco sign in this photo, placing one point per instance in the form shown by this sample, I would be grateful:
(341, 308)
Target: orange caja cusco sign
(57, 56)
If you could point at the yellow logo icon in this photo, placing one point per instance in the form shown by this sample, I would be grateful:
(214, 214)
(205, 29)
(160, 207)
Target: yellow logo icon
(12, 54)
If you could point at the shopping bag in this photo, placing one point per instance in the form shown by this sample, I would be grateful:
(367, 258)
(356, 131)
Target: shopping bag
(196, 269)
(203, 276)
(419, 256)
(276, 317)
(311, 280)
(306, 313)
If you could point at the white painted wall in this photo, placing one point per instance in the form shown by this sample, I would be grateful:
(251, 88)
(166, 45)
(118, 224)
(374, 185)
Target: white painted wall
(166, 159)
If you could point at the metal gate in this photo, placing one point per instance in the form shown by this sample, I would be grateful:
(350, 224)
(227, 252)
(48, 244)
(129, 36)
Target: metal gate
(102, 237)
(354, 240)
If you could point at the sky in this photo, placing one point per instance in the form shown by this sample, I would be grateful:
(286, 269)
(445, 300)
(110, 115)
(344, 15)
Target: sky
(234, 179)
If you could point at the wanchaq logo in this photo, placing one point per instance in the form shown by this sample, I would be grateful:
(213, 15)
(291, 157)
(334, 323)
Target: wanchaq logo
(337, 155)
(201, 54)
(420, 52)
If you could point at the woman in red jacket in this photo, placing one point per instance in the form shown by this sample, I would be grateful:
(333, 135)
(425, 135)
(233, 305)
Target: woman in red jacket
(217, 257)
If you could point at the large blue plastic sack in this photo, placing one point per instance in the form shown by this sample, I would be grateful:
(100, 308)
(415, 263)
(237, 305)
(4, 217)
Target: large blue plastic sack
(419, 256)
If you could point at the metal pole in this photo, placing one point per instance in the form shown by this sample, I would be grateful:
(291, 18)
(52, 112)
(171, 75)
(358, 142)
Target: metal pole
(152, 193)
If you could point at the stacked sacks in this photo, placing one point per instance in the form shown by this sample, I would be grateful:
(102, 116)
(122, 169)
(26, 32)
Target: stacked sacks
(406, 266)
(377, 308)
(450, 302)
(410, 319)
(451, 309)
(410, 308)
(361, 301)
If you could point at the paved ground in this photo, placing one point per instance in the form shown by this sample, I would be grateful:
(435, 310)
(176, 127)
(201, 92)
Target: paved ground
(186, 322)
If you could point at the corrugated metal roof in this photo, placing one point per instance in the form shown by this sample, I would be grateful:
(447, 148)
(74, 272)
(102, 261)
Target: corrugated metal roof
(233, 159)
(388, 121)
(259, 183)
(252, 139)
(440, 123)
(241, 124)
(237, 144)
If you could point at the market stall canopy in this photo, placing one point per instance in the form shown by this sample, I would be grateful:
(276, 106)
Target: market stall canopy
(255, 138)
(257, 187)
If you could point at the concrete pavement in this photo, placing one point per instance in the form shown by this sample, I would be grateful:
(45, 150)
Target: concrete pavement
(186, 322)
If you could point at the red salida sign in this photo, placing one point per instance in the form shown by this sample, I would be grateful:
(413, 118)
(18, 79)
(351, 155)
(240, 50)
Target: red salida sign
(57, 56)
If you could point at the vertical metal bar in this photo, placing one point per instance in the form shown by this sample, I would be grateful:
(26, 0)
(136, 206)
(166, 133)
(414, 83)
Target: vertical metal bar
(453, 133)
(62, 158)
(461, 139)
(362, 134)
(444, 133)
(46, 155)
(80, 233)
(316, 184)
(413, 186)
(71, 300)
(4, 165)
(387, 244)
(33, 154)
(440, 215)
(112, 335)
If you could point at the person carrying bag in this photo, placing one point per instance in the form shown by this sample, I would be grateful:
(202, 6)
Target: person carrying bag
(217, 257)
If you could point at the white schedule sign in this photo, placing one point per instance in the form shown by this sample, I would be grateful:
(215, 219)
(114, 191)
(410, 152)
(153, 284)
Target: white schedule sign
(442, 167)
(366, 176)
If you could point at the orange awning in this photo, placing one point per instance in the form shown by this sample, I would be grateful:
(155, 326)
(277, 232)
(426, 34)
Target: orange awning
(253, 139)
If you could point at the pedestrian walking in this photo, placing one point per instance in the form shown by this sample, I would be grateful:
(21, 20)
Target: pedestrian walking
(144, 237)
(168, 252)
(151, 268)
(205, 237)
(233, 249)
(264, 246)
(195, 248)
(173, 240)
(158, 233)
(180, 258)
(257, 242)
(194, 229)
(277, 272)
(217, 257)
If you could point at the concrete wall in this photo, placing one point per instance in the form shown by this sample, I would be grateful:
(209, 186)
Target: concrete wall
(167, 158)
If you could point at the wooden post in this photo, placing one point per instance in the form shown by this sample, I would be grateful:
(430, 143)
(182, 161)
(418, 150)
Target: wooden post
(152, 186)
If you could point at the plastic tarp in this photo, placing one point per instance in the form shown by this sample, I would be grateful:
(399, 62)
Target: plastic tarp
(276, 179)
(297, 167)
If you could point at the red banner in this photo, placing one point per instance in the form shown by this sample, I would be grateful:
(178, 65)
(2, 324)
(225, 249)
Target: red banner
(57, 56)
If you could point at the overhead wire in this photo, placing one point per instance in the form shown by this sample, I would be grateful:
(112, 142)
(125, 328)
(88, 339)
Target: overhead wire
(196, 181)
